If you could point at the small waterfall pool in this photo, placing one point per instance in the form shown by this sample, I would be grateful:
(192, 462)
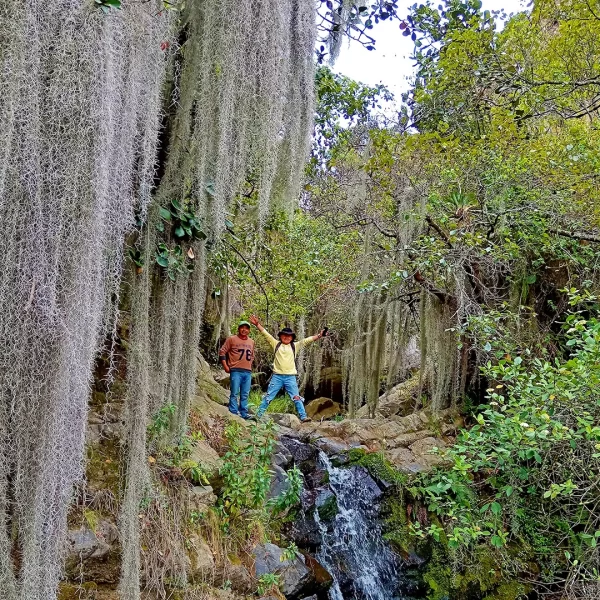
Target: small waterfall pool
(353, 549)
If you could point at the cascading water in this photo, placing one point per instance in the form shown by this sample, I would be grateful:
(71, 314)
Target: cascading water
(352, 548)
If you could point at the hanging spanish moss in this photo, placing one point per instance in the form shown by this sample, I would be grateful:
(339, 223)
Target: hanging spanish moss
(79, 119)
(362, 361)
(439, 352)
(244, 111)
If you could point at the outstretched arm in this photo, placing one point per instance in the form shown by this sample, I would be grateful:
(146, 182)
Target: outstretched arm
(312, 338)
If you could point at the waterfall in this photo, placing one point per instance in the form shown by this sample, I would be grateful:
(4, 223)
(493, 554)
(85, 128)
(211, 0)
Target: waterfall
(352, 547)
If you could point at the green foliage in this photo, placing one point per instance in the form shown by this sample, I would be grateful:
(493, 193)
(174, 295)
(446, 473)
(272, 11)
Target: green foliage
(268, 584)
(342, 104)
(526, 474)
(377, 465)
(161, 421)
(106, 5)
(247, 479)
(281, 404)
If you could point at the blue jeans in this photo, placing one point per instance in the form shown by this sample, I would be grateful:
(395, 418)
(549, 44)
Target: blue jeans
(240, 381)
(290, 384)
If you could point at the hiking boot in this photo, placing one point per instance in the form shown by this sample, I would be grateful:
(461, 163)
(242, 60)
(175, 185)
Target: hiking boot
(306, 420)
(250, 418)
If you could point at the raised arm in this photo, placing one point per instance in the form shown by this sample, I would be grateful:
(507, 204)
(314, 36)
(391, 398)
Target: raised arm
(254, 320)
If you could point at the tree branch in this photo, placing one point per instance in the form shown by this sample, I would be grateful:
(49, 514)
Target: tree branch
(587, 237)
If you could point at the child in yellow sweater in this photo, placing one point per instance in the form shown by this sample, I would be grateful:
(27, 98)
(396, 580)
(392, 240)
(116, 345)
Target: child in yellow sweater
(284, 367)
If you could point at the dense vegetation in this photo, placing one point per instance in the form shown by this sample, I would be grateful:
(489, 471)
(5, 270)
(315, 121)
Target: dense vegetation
(151, 159)
(470, 220)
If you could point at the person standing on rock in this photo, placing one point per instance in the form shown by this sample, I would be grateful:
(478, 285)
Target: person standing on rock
(236, 356)
(284, 367)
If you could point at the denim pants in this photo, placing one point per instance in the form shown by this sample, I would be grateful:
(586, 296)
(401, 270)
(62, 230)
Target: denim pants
(240, 381)
(290, 384)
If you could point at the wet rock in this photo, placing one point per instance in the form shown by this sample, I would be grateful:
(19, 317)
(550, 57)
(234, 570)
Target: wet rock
(282, 457)
(300, 451)
(322, 577)
(316, 478)
(323, 408)
(369, 489)
(299, 577)
(305, 531)
(327, 505)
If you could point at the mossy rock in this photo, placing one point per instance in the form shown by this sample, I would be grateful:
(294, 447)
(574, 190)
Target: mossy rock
(328, 509)
(378, 467)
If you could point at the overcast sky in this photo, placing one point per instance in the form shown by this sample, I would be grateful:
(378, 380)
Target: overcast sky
(389, 63)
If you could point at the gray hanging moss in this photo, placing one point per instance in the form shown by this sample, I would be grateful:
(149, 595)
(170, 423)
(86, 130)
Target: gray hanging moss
(80, 112)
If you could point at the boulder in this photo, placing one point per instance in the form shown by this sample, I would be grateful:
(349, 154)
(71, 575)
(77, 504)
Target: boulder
(300, 451)
(282, 457)
(422, 449)
(206, 386)
(237, 576)
(202, 498)
(206, 457)
(84, 544)
(305, 532)
(367, 485)
(285, 420)
(298, 575)
(323, 408)
(331, 446)
(201, 558)
(399, 400)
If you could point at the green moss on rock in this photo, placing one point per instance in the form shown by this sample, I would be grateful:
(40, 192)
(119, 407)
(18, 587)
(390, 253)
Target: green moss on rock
(379, 468)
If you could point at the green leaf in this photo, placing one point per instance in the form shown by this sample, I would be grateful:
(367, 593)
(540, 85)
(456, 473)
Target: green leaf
(176, 205)
(165, 213)
(496, 508)
(113, 3)
(210, 189)
(160, 226)
(487, 347)
(162, 260)
(229, 224)
(179, 232)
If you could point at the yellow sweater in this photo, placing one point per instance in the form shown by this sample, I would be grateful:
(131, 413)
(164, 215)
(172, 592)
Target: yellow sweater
(284, 363)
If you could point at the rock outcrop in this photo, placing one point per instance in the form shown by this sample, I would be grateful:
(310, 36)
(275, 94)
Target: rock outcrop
(323, 408)
(300, 576)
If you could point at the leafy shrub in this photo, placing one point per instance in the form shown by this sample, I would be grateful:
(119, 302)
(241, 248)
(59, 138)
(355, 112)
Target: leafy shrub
(526, 476)
(246, 473)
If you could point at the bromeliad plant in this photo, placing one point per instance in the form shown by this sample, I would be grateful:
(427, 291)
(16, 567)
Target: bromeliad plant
(184, 228)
